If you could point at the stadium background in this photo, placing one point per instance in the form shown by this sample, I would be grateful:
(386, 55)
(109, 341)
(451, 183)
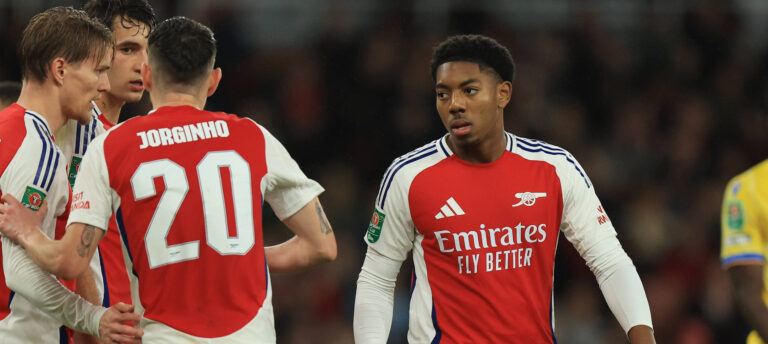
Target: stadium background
(661, 101)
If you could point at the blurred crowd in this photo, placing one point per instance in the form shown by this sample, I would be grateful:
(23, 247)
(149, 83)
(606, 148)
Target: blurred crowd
(661, 110)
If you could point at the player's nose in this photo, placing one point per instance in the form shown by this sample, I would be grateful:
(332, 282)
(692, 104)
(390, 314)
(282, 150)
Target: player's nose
(143, 58)
(458, 104)
(103, 85)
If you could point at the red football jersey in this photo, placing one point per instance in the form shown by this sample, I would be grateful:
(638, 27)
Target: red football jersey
(117, 287)
(187, 187)
(483, 238)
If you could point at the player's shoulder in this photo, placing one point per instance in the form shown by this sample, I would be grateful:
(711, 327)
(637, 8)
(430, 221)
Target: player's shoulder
(30, 150)
(759, 172)
(37, 134)
(406, 167)
(238, 121)
(537, 149)
(561, 159)
(13, 126)
(754, 178)
(419, 158)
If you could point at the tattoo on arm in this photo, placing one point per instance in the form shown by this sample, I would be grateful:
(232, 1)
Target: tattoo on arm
(325, 227)
(86, 240)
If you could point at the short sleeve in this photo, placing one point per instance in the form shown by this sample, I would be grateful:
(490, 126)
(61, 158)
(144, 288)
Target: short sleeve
(742, 235)
(29, 176)
(286, 188)
(391, 231)
(92, 200)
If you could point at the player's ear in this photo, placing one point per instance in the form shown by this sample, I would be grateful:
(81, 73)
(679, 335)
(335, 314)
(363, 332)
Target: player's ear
(57, 69)
(213, 81)
(146, 76)
(504, 93)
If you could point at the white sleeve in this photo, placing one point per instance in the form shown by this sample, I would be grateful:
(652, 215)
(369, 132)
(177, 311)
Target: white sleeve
(46, 293)
(390, 237)
(374, 298)
(587, 226)
(92, 197)
(391, 231)
(620, 283)
(24, 277)
(285, 187)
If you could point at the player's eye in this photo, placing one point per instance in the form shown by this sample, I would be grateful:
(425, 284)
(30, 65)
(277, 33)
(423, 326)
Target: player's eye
(441, 95)
(127, 50)
(470, 90)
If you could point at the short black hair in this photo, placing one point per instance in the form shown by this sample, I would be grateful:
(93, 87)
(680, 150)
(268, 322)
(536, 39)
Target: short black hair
(130, 12)
(9, 91)
(181, 50)
(483, 50)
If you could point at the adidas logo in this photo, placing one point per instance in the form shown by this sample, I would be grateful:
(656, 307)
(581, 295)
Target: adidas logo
(450, 209)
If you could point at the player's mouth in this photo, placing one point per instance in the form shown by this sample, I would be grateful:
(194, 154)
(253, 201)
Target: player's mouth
(460, 127)
(137, 85)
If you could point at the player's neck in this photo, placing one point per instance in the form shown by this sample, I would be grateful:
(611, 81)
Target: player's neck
(43, 100)
(110, 107)
(482, 152)
(177, 99)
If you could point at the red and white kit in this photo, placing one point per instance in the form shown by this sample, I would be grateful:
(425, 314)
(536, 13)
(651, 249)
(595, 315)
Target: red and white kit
(187, 189)
(107, 266)
(33, 171)
(483, 239)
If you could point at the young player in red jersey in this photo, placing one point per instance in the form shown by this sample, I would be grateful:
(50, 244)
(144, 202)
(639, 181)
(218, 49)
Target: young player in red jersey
(130, 21)
(481, 211)
(62, 75)
(187, 187)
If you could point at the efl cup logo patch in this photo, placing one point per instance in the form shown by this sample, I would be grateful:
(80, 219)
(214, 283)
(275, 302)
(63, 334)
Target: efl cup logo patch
(735, 215)
(374, 228)
(33, 198)
(74, 167)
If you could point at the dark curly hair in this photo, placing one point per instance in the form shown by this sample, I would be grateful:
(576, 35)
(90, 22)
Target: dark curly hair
(483, 50)
(130, 12)
(182, 49)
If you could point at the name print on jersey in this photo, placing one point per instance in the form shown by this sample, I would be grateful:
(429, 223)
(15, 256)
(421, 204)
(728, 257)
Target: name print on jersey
(483, 238)
(182, 134)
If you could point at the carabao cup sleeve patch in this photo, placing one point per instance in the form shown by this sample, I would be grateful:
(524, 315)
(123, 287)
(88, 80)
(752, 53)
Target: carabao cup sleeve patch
(374, 228)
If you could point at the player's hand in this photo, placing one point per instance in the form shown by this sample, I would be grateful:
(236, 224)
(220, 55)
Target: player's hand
(112, 328)
(17, 222)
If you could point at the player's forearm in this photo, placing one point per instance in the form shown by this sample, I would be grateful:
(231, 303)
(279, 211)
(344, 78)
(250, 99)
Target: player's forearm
(373, 310)
(374, 299)
(46, 293)
(626, 298)
(373, 314)
(753, 309)
(47, 253)
(313, 244)
(86, 287)
(295, 255)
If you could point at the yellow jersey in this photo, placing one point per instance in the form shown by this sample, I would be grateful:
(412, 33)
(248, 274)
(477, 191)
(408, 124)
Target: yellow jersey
(744, 225)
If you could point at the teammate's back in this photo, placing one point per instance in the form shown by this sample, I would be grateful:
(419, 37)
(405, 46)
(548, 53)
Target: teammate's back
(187, 188)
(189, 185)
